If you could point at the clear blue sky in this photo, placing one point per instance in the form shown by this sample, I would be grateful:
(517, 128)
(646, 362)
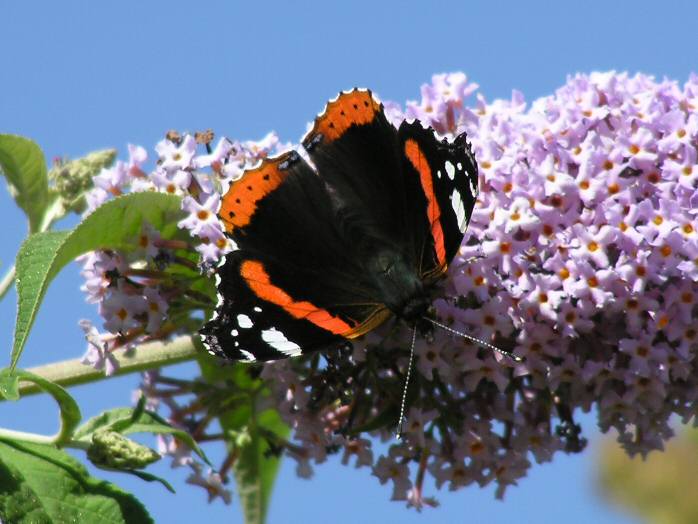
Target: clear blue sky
(78, 76)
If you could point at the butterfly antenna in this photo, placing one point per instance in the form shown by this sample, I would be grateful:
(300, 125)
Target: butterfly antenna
(401, 420)
(477, 340)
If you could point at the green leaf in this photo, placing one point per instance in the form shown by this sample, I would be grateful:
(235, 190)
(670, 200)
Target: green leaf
(255, 472)
(9, 386)
(40, 484)
(148, 477)
(114, 225)
(255, 469)
(23, 164)
(70, 412)
(123, 421)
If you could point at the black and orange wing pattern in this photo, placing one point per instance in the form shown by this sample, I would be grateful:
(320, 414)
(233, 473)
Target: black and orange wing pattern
(294, 284)
(304, 276)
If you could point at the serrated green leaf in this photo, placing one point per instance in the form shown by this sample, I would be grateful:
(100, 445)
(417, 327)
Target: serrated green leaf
(254, 469)
(255, 472)
(123, 421)
(41, 484)
(23, 164)
(114, 225)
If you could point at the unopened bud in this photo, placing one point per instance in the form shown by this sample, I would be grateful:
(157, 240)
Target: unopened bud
(73, 178)
(113, 450)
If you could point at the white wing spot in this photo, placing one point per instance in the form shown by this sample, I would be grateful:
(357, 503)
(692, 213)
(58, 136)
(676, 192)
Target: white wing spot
(438, 174)
(279, 342)
(459, 166)
(234, 332)
(457, 205)
(249, 357)
(473, 187)
(450, 170)
(257, 309)
(244, 321)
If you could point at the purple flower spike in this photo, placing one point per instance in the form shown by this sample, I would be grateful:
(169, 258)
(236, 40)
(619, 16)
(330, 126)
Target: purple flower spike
(581, 256)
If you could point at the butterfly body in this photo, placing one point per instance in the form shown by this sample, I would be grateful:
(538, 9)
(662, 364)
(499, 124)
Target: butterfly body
(329, 251)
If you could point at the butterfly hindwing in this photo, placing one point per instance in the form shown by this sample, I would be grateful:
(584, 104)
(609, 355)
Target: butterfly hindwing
(256, 321)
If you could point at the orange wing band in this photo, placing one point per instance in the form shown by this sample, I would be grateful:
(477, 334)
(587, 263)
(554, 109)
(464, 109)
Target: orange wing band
(353, 108)
(260, 283)
(240, 202)
(419, 162)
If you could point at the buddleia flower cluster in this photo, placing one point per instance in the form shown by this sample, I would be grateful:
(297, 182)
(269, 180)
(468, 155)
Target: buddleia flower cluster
(581, 257)
(133, 291)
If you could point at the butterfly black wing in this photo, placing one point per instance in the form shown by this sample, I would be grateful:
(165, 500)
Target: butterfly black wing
(294, 285)
(303, 278)
(448, 180)
(419, 192)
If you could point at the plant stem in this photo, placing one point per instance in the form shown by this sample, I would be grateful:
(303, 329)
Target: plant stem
(146, 356)
(10, 434)
(7, 281)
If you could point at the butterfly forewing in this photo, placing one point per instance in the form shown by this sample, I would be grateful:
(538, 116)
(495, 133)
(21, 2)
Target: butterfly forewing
(296, 283)
(448, 179)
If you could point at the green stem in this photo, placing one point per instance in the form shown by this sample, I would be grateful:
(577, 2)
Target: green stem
(10, 434)
(7, 281)
(146, 356)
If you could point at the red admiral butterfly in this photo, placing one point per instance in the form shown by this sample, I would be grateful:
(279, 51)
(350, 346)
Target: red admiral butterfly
(328, 252)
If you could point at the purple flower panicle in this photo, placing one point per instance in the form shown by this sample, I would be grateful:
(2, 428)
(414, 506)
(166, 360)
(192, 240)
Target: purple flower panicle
(581, 256)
